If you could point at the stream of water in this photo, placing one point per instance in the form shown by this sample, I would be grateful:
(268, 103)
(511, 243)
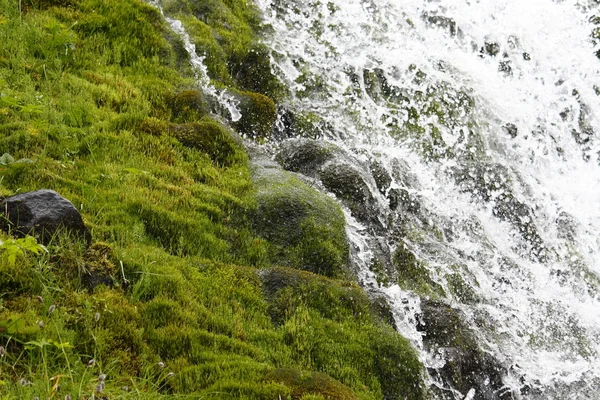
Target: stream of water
(490, 108)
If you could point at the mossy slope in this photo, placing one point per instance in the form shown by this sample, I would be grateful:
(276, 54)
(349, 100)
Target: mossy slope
(168, 301)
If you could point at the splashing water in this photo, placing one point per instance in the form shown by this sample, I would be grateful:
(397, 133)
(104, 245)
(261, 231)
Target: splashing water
(492, 106)
(200, 71)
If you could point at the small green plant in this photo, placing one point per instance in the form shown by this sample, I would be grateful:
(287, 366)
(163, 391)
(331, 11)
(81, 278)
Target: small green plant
(18, 247)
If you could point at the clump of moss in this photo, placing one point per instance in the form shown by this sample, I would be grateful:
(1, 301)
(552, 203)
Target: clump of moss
(305, 229)
(258, 115)
(328, 323)
(188, 106)
(212, 139)
(288, 288)
(310, 383)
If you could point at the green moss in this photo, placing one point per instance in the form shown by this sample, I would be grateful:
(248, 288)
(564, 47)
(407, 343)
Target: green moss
(258, 115)
(211, 138)
(305, 384)
(319, 318)
(305, 229)
(188, 106)
(251, 69)
(87, 95)
(288, 288)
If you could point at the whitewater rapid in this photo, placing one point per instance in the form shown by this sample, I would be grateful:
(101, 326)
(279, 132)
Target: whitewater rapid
(531, 72)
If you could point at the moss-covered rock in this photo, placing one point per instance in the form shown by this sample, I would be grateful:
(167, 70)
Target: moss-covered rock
(188, 106)
(288, 288)
(251, 69)
(258, 115)
(413, 275)
(311, 383)
(212, 138)
(302, 304)
(305, 156)
(305, 228)
(292, 123)
(347, 183)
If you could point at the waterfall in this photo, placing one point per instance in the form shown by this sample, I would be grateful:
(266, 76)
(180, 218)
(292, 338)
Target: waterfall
(491, 109)
(482, 119)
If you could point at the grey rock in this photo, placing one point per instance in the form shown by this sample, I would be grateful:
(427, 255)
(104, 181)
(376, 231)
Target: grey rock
(41, 213)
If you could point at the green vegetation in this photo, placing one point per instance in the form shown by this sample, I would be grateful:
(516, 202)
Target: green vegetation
(305, 229)
(175, 295)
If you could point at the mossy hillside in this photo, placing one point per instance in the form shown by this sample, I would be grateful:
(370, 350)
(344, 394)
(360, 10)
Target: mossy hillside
(178, 308)
(336, 319)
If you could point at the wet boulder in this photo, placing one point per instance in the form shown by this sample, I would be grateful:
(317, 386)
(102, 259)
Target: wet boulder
(347, 183)
(382, 177)
(467, 366)
(305, 156)
(42, 213)
(292, 123)
(251, 69)
(566, 226)
(443, 23)
(492, 183)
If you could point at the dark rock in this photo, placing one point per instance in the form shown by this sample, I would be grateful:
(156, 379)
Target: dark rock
(566, 226)
(492, 183)
(305, 228)
(490, 48)
(42, 213)
(346, 182)
(402, 200)
(379, 89)
(291, 124)
(383, 180)
(381, 308)
(305, 156)
(505, 67)
(511, 130)
(467, 366)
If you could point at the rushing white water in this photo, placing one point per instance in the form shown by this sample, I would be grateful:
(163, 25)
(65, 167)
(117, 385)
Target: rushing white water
(529, 70)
